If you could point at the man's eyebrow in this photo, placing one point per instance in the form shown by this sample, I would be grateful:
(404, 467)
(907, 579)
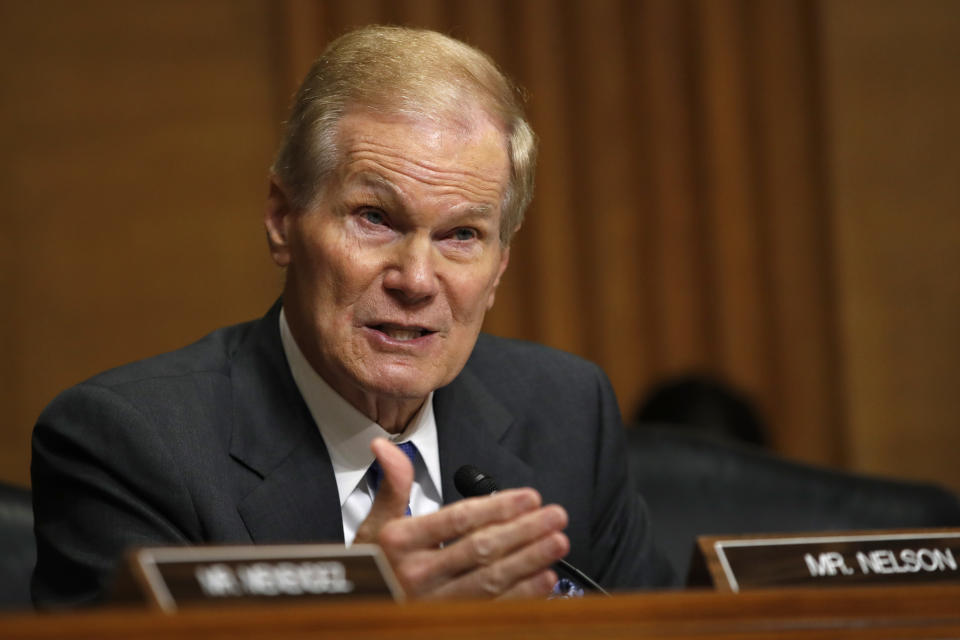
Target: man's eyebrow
(479, 210)
(378, 183)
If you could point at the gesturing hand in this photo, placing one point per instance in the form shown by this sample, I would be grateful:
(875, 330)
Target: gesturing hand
(499, 545)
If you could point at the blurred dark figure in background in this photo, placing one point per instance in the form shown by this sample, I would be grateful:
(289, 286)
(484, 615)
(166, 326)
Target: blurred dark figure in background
(689, 461)
(705, 406)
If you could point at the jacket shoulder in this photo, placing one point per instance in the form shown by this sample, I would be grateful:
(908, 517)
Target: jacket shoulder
(520, 361)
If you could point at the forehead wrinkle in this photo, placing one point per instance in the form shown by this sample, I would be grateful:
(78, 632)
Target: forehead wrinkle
(432, 174)
(382, 185)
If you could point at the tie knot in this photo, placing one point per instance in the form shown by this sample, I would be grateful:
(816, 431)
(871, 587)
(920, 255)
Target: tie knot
(410, 449)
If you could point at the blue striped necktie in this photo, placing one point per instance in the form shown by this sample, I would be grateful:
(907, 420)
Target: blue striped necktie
(375, 473)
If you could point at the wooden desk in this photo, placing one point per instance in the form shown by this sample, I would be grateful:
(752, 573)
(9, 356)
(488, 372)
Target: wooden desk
(862, 613)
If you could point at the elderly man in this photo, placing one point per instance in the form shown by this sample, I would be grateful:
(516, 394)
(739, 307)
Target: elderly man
(404, 173)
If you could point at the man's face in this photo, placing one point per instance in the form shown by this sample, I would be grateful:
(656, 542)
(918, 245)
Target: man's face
(391, 270)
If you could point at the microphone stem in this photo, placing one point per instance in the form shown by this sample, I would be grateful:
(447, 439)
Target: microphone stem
(575, 573)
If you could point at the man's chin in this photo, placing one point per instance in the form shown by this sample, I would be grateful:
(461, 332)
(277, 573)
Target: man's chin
(399, 383)
(399, 390)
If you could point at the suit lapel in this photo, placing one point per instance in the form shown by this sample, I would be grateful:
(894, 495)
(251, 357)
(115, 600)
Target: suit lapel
(275, 436)
(472, 428)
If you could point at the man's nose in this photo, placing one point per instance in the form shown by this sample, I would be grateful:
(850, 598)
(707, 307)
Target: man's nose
(412, 276)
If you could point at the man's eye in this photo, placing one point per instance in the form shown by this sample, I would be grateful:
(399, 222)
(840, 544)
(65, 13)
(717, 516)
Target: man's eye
(465, 234)
(373, 216)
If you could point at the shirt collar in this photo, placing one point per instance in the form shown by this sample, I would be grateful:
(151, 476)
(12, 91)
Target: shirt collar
(346, 432)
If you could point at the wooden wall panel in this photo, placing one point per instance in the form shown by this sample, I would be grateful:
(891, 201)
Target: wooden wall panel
(731, 216)
(609, 194)
(556, 295)
(430, 14)
(892, 101)
(802, 351)
(300, 40)
(677, 239)
(136, 137)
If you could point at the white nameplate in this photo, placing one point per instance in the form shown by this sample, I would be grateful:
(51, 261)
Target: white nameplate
(174, 577)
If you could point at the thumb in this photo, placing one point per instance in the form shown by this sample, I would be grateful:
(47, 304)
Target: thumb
(393, 496)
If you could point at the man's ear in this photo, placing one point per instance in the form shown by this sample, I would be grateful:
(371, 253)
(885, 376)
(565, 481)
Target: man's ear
(277, 219)
(504, 261)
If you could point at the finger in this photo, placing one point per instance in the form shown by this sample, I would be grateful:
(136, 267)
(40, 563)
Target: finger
(465, 516)
(397, 473)
(540, 585)
(503, 576)
(393, 495)
(491, 543)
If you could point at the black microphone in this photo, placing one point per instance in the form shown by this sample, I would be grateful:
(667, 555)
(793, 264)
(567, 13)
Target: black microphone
(472, 482)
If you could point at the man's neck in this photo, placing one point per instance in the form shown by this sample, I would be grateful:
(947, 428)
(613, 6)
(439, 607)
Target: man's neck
(392, 414)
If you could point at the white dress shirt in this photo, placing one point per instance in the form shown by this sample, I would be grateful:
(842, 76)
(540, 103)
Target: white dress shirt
(348, 433)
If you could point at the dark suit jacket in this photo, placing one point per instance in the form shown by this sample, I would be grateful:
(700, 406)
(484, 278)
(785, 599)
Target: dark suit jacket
(214, 444)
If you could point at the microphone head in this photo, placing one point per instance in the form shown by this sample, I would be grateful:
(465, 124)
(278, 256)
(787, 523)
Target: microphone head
(471, 482)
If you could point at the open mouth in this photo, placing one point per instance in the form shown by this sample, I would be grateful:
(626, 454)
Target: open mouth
(402, 333)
